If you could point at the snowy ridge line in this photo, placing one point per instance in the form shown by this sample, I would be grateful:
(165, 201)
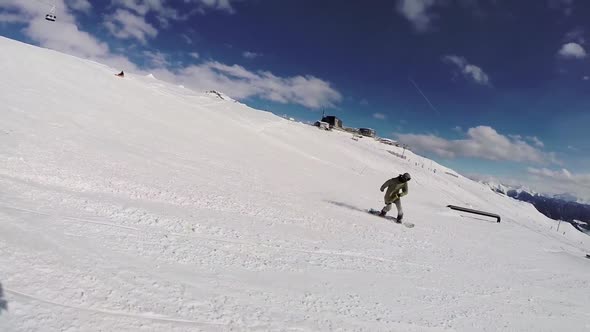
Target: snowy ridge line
(213, 239)
(111, 312)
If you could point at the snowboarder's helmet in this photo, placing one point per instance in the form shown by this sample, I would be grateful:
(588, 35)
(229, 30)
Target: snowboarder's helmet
(406, 177)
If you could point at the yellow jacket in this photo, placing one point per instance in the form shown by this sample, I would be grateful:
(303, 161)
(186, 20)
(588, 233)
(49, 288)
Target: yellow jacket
(393, 190)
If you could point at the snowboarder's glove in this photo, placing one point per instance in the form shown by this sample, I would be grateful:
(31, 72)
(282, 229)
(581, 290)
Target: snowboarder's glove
(381, 189)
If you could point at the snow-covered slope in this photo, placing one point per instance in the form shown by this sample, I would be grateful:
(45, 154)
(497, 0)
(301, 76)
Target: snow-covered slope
(133, 204)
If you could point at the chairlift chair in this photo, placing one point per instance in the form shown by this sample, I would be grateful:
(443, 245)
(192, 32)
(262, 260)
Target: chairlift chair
(51, 15)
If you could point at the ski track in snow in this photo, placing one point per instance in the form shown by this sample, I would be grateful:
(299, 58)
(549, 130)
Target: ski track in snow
(106, 312)
(132, 204)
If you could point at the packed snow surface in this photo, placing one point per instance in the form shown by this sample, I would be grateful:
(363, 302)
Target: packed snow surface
(133, 204)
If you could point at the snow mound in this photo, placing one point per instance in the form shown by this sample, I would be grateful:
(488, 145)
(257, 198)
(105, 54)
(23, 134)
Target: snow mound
(130, 205)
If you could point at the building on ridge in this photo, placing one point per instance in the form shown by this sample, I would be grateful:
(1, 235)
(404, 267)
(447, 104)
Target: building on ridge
(333, 121)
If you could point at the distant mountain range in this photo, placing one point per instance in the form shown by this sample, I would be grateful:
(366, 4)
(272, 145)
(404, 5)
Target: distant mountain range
(564, 207)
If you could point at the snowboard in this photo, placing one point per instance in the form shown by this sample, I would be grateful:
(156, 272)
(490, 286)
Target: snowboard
(390, 218)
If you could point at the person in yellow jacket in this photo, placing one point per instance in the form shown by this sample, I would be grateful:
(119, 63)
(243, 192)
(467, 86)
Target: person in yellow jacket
(396, 189)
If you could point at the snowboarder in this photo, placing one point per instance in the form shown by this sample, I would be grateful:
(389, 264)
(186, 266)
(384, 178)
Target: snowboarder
(393, 194)
(121, 74)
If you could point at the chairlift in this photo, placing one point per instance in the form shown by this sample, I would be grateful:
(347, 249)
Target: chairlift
(51, 15)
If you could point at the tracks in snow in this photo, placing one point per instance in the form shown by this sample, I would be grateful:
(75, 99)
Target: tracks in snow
(320, 252)
(111, 312)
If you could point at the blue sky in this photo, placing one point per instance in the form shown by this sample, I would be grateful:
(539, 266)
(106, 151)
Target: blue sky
(488, 87)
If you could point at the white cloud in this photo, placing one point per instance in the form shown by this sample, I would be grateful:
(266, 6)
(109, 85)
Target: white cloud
(481, 142)
(12, 18)
(560, 181)
(469, 71)
(545, 181)
(251, 55)
(239, 83)
(572, 51)
(62, 35)
(576, 35)
(535, 140)
(166, 13)
(157, 59)
(30, 10)
(142, 7)
(67, 38)
(379, 116)
(125, 25)
(417, 12)
(586, 78)
(223, 5)
(566, 6)
(80, 5)
(163, 12)
(504, 180)
(194, 55)
(547, 172)
(236, 81)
